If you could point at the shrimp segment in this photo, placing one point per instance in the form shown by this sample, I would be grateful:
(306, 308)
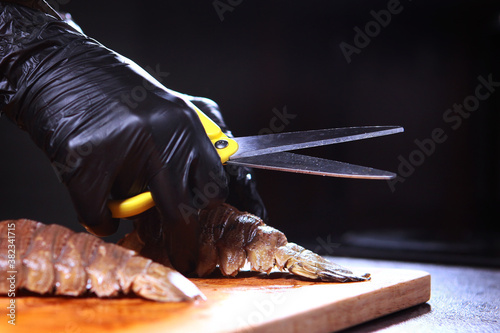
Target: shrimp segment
(51, 259)
(230, 238)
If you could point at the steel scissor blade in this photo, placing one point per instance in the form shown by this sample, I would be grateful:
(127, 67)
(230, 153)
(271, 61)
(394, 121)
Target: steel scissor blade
(279, 142)
(290, 162)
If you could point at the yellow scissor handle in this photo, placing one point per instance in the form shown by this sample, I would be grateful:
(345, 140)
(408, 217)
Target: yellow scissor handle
(140, 203)
(224, 145)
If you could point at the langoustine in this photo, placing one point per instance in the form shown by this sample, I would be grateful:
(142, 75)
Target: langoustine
(53, 259)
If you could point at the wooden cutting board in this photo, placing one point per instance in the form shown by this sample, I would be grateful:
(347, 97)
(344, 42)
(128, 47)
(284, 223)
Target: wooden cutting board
(249, 303)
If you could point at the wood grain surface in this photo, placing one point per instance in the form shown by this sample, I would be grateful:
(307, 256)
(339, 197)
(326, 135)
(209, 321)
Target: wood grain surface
(249, 303)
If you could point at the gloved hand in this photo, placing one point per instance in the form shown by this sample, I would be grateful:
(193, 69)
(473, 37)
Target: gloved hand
(73, 96)
(70, 94)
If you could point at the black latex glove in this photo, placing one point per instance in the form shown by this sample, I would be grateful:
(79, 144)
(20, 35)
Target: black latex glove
(72, 95)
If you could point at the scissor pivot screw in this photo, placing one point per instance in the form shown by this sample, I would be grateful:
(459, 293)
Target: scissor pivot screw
(221, 144)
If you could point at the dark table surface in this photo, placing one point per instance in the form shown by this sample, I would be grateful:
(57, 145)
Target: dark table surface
(463, 299)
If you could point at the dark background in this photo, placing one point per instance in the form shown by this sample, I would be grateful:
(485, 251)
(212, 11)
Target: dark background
(271, 55)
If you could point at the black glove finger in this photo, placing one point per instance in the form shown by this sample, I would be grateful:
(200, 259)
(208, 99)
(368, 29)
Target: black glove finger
(212, 110)
(178, 207)
(188, 178)
(186, 163)
(177, 226)
(90, 197)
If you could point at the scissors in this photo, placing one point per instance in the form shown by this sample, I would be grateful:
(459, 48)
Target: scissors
(270, 151)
